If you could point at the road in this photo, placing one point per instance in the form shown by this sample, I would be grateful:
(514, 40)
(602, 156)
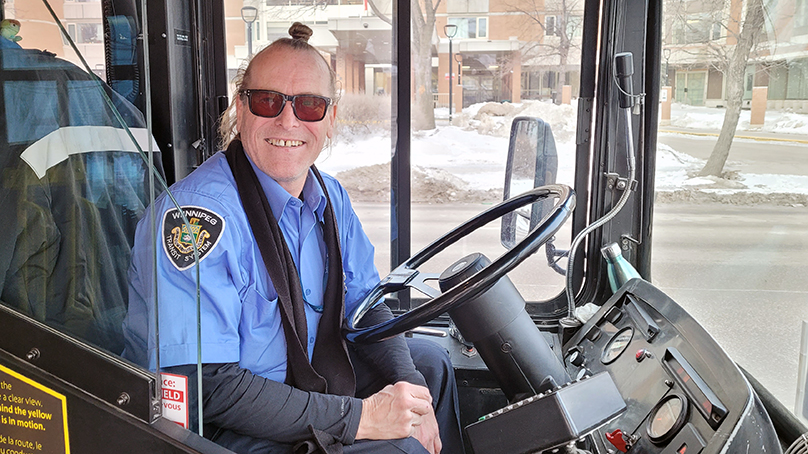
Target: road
(740, 271)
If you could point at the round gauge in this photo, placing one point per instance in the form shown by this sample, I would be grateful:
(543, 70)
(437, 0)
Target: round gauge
(667, 417)
(617, 344)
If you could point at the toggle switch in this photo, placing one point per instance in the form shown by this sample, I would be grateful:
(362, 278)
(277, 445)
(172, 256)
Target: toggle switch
(618, 440)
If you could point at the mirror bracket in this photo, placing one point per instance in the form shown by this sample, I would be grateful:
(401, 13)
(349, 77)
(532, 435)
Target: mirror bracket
(614, 180)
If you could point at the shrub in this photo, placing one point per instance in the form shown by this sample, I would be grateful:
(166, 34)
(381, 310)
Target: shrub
(361, 115)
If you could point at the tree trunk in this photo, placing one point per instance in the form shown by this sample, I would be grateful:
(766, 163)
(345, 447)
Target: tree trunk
(563, 45)
(423, 112)
(752, 28)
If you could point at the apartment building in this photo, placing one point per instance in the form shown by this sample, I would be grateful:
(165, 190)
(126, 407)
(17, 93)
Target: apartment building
(700, 37)
(502, 50)
(511, 50)
(82, 20)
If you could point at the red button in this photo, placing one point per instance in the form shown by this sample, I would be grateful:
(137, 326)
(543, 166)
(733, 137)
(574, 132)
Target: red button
(616, 438)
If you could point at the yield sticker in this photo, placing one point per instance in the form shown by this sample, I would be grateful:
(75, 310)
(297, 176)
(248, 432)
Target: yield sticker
(175, 398)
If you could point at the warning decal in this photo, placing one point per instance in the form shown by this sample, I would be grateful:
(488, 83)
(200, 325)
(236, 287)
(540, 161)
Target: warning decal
(33, 418)
(175, 398)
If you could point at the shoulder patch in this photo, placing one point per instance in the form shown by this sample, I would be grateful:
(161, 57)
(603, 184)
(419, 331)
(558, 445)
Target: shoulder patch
(178, 241)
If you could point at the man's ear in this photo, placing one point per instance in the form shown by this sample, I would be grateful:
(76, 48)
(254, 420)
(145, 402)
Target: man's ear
(332, 119)
(240, 106)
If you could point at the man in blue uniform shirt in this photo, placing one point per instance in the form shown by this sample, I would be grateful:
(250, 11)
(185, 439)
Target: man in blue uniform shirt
(270, 232)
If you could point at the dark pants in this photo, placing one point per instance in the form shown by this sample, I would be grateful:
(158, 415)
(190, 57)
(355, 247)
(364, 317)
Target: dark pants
(433, 362)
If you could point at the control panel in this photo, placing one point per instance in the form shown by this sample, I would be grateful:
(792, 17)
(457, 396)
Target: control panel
(683, 393)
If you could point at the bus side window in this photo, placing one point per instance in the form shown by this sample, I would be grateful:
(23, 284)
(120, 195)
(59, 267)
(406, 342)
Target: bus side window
(72, 189)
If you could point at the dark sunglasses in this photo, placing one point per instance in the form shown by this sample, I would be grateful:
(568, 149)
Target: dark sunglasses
(270, 104)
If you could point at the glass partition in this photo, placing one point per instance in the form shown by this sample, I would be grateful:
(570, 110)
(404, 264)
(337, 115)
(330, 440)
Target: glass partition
(80, 168)
(491, 61)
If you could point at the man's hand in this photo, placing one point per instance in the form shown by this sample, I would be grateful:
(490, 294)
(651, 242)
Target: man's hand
(399, 411)
(428, 434)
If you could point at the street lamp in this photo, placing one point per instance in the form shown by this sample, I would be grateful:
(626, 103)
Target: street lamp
(459, 61)
(248, 15)
(666, 52)
(451, 31)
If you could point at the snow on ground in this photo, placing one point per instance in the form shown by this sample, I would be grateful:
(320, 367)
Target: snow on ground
(699, 117)
(466, 161)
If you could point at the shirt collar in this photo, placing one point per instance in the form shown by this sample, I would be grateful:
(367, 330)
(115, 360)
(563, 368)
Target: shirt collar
(279, 199)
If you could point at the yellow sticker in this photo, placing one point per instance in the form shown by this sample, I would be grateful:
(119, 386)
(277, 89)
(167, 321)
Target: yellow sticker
(33, 417)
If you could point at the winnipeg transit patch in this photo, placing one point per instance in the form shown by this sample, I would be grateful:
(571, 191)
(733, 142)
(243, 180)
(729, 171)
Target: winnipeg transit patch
(178, 240)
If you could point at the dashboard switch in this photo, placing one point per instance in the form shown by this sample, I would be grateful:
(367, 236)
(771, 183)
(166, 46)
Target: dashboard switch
(618, 440)
(642, 354)
(575, 357)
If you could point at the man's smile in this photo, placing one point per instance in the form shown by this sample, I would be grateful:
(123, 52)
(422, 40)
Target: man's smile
(285, 143)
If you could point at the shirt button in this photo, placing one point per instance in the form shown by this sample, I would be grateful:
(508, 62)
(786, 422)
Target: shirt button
(308, 291)
(311, 340)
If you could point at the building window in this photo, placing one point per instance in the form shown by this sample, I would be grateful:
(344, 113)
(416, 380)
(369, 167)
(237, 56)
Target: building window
(575, 25)
(717, 28)
(694, 29)
(797, 87)
(553, 26)
(538, 84)
(550, 26)
(71, 32)
(83, 33)
(465, 7)
(90, 33)
(801, 17)
(470, 27)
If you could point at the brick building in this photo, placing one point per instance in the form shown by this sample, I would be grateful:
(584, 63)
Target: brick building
(700, 36)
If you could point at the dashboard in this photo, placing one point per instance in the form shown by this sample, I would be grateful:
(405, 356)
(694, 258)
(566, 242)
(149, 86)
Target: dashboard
(683, 393)
(645, 378)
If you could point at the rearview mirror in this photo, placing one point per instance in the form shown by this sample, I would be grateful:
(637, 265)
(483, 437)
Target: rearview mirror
(532, 162)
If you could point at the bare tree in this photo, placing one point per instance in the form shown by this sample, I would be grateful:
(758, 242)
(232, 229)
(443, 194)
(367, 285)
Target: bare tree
(751, 31)
(556, 22)
(423, 28)
(697, 25)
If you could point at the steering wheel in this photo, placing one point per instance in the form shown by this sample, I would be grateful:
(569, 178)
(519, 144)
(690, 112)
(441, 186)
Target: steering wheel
(407, 275)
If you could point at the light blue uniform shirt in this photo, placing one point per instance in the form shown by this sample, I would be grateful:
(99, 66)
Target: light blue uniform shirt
(239, 308)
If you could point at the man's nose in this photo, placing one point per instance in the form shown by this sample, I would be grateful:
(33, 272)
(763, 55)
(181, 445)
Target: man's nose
(287, 117)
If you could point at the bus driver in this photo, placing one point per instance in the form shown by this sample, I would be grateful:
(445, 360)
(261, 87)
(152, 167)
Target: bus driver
(282, 259)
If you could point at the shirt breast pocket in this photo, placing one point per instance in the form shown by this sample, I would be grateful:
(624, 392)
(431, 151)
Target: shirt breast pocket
(263, 345)
(259, 311)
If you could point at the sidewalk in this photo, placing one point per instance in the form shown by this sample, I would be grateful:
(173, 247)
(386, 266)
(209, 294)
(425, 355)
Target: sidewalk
(740, 134)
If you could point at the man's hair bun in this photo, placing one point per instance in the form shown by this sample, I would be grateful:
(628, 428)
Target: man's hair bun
(300, 31)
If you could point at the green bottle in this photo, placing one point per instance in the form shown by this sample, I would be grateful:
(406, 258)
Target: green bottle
(617, 267)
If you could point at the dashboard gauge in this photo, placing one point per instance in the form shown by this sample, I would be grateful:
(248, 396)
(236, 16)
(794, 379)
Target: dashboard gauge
(617, 344)
(667, 417)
